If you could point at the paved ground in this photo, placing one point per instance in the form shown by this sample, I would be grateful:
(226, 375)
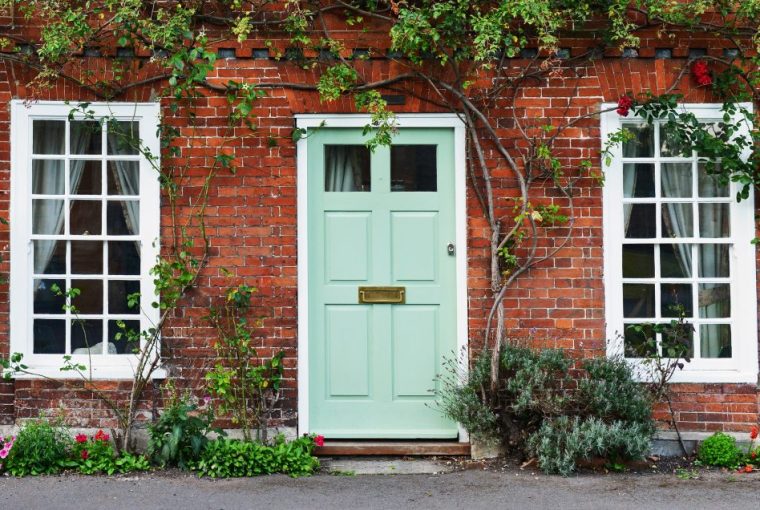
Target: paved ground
(464, 489)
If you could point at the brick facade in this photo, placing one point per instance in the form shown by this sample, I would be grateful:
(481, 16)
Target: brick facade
(252, 223)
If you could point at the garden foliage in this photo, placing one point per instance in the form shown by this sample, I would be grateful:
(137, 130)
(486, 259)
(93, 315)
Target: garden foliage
(720, 450)
(541, 408)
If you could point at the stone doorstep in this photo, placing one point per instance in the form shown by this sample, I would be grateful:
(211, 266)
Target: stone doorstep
(392, 448)
(349, 466)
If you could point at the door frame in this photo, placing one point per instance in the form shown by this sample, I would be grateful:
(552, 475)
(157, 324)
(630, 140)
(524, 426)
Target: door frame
(404, 120)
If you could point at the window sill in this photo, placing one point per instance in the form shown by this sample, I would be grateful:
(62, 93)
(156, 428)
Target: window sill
(722, 376)
(121, 372)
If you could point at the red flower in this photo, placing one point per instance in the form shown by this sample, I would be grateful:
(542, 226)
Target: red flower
(753, 455)
(754, 431)
(748, 468)
(80, 438)
(85, 454)
(701, 73)
(319, 440)
(624, 104)
(101, 436)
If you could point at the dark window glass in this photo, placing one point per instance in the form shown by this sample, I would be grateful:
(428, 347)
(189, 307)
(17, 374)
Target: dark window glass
(638, 180)
(85, 217)
(86, 257)
(87, 334)
(674, 297)
(46, 299)
(414, 168)
(640, 221)
(86, 137)
(347, 168)
(638, 300)
(638, 260)
(49, 336)
(118, 291)
(124, 336)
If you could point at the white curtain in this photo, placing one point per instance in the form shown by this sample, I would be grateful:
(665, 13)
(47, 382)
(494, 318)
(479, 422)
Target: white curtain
(677, 221)
(342, 169)
(127, 179)
(629, 187)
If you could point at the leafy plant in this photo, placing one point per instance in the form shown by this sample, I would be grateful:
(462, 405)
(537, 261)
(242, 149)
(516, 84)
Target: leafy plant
(720, 450)
(229, 458)
(41, 448)
(246, 385)
(180, 433)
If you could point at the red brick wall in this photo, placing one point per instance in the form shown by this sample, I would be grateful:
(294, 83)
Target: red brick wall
(252, 225)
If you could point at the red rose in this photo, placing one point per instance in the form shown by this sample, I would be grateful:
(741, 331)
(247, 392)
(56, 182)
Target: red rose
(624, 104)
(80, 438)
(319, 440)
(754, 432)
(101, 436)
(85, 454)
(701, 73)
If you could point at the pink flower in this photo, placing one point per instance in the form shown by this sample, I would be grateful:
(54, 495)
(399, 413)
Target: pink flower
(80, 438)
(207, 399)
(319, 440)
(4, 453)
(85, 454)
(624, 104)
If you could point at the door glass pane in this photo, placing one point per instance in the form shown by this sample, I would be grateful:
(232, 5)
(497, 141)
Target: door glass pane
(638, 300)
(671, 145)
(642, 143)
(714, 220)
(638, 260)
(347, 168)
(675, 260)
(118, 292)
(638, 180)
(123, 257)
(49, 256)
(90, 299)
(46, 298)
(85, 177)
(714, 300)
(123, 178)
(675, 297)
(677, 220)
(85, 217)
(49, 336)
(123, 138)
(709, 184)
(123, 336)
(49, 136)
(87, 335)
(715, 340)
(639, 220)
(86, 137)
(86, 257)
(123, 218)
(47, 177)
(47, 217)
(413, 168)
(714, 261)
(675, 179)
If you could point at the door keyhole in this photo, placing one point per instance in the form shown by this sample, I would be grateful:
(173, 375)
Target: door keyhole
(450, 249)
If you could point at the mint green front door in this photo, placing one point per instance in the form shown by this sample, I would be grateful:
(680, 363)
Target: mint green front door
(382, 219)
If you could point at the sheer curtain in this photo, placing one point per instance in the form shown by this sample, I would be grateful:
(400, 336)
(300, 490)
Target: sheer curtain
(677, 222)
(341, 168)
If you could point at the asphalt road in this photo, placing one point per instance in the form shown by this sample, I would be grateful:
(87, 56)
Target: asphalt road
(465, 489)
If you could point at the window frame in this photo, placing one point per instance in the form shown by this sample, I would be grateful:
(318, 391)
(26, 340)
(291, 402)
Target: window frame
(104, 366)
(742, 367)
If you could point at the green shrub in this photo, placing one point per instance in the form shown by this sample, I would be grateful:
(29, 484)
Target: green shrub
(95, 455)
(180, 433)
(720, 450)
(41, 448)
(538, 408)
(230, 458)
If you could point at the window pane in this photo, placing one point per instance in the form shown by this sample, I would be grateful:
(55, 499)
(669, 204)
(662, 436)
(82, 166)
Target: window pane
(715, 340)
(638, 180)
(714, 300)
(413, 168)
(714, 220)
(714, 261)
(123, 138)
(128, 336)
(86, 137)
(638, 300)
(118, 291)
(87, 335)
(85, 217)
(49, 336)
(639, 220)
(642, 144)
(347, 168)
(123, 178)
(47, 300)
(675, 260)
(677, 220)
(639, 344)
(49, 136)
(710, 185)
(123, 257)
(674, 297)
(90, 299)
(638, 260)
(671, 145)
(123, 218)
(49, 257)
(678, 342)
(47, 177)
(85, 177)
(675, 179)
(47, 217)
(86, 257)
